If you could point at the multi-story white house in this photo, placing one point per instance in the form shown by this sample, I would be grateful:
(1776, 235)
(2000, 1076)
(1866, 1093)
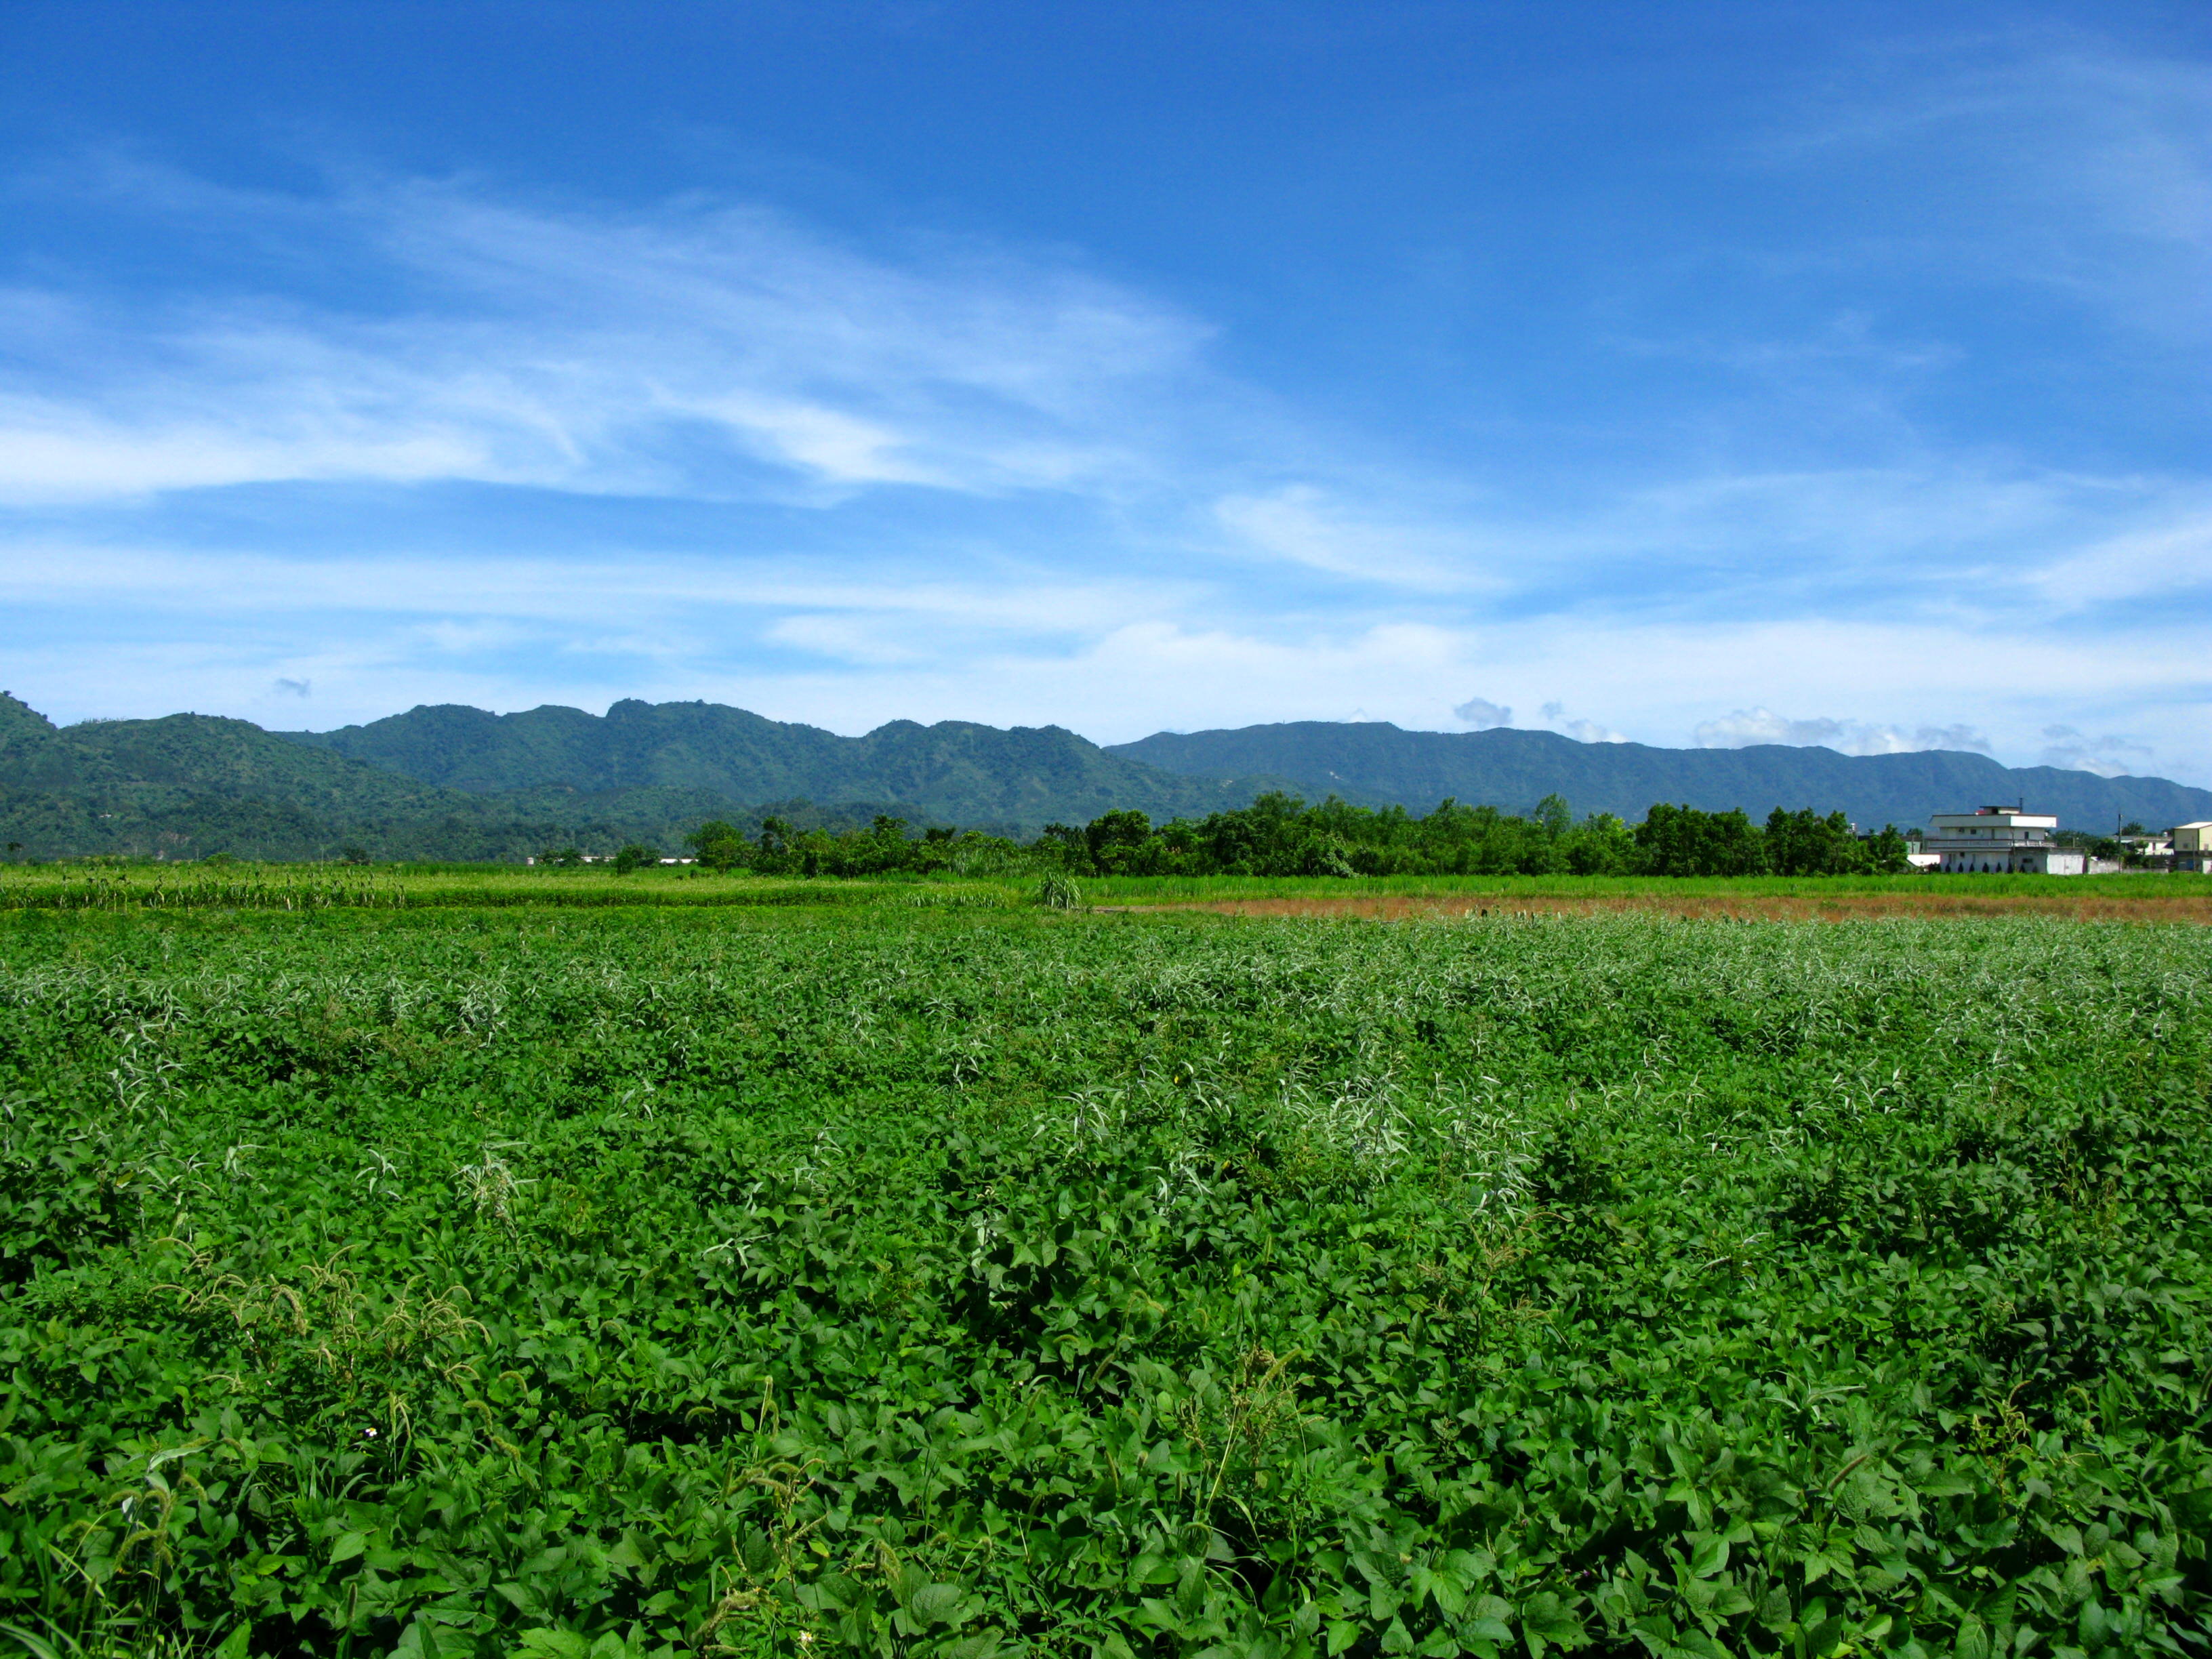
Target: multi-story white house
(2192, 846)
(1998, 841)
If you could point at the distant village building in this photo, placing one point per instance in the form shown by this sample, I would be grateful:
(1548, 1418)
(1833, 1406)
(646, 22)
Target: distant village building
(2192, 846)
(1999, 841)
(2148, 851)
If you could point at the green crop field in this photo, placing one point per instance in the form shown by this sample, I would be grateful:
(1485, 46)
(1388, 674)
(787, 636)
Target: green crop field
(928, 1271)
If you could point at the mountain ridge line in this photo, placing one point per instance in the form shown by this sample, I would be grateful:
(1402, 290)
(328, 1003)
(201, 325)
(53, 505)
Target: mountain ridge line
(452, 781)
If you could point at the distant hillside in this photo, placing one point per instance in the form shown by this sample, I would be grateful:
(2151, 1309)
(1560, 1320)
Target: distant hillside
(955, 771)
(458, 783)
(189, 784)
(1376, 763)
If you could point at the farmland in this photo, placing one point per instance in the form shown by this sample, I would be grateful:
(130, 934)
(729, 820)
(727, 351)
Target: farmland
(455, 1265)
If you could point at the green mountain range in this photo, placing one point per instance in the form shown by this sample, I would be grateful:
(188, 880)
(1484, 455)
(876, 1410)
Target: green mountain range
(1374, 762)
(953, 772)
(458, 783)
(451, 782)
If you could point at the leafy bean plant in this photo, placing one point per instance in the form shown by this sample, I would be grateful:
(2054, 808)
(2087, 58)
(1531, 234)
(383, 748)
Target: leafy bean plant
(962, 1280)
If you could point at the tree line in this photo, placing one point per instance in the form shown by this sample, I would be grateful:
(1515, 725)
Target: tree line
(1279, 835)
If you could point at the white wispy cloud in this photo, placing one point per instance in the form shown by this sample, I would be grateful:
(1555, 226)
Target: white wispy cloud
(720, 352)
(641, 592)
(2064, 160)
(676, 352)
(1305, 525)
(2107, 754)
(2170, 555)
(1556, 718)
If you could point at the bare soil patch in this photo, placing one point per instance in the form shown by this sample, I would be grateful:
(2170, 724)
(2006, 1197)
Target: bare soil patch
(1951, 903)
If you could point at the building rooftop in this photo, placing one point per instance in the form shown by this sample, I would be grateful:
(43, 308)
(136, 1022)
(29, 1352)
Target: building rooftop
(1996, 815)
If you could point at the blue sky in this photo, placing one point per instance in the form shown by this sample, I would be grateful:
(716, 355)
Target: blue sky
(1830, 373)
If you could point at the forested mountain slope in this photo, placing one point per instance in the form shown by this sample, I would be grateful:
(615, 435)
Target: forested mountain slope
(459, 783)
(1377, 763)
(188, 784)
(955, 771)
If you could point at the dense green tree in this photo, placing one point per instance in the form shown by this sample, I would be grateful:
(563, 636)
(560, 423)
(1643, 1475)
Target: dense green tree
(719, 845)
(1803, 843)
(1886, 851)
(1279, 835)
(1601, 845)
(1115, 840)
(1681, 840)
(1067, 843)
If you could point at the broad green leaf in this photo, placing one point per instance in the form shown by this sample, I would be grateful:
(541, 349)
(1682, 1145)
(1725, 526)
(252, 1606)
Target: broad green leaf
(935, 1603)
(1468, 1568)
(1549, 1617)
(1428, 1585)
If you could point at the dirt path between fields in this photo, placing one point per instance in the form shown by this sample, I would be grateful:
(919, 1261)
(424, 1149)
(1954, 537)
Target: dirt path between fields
(1948, 905)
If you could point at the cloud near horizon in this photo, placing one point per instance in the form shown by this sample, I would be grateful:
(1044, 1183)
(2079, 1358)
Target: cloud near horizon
(1582, 731)
(2108, 755)
(1747, 726)
(1483, 715)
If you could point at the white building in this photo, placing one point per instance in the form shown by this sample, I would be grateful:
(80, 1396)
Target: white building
(2192, 846)
(1998, 841)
